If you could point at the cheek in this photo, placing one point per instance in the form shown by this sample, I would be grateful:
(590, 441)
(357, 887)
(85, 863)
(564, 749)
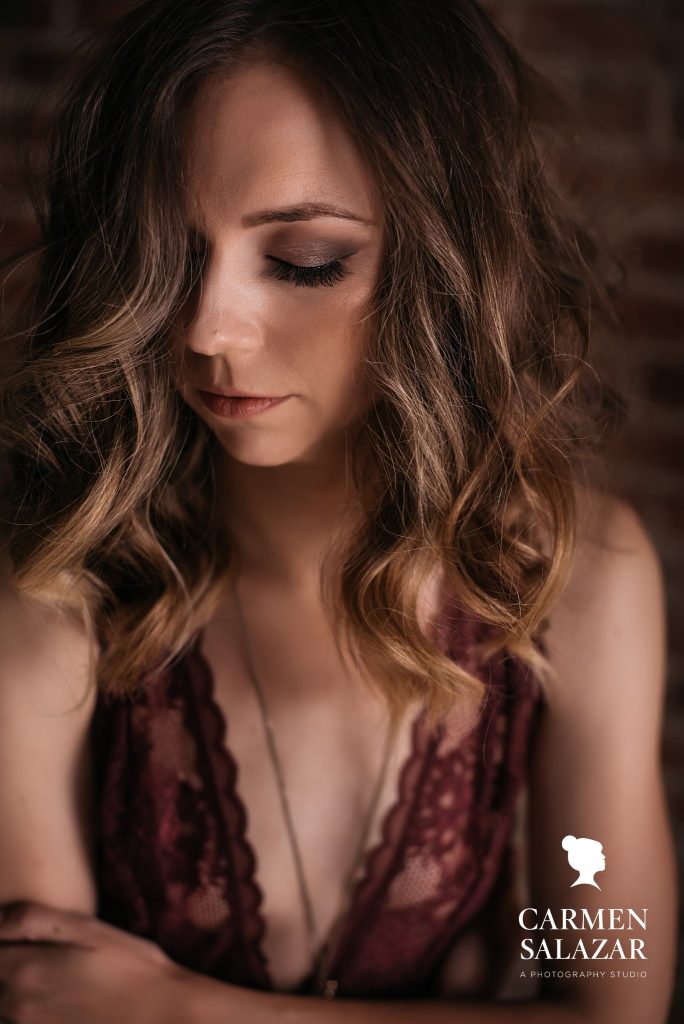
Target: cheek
(326, 344)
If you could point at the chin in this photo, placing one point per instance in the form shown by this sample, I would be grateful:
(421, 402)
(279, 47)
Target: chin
(268, 451)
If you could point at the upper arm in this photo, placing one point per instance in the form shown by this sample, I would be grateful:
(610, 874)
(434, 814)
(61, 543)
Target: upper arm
(45, 770)
(595, 770)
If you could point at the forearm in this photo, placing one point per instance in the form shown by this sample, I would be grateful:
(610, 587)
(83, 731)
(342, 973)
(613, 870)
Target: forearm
(276, 1009)
(204, 1000)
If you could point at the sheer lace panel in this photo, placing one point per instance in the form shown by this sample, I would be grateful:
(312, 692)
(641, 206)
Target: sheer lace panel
(174, 863)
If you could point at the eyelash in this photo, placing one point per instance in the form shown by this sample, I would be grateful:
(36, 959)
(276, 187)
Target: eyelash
(324, 274)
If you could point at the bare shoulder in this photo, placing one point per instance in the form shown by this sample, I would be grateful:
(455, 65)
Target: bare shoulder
(608, 623)
(596, 767)
(35, 636)
(612, 531)
(46, 708)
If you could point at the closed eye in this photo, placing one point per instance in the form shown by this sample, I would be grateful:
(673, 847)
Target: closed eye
(323, 274)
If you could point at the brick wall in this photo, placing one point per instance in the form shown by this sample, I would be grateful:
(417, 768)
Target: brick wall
(624, 61)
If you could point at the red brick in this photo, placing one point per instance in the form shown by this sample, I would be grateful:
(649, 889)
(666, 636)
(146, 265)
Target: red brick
(678, 108)
(613, 104)
(657, 252)
(664, 517)
(587, 30)
(32, 118)
(651, 318)
(16, 290)
(97, 12)
(645, 179)
(656, 449)
(672, 749)
(670, 43)
(15, 236)
(38, 63)
(665, 383)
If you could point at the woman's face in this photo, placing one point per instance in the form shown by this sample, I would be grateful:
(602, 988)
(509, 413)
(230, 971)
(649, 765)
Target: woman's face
(263, 147)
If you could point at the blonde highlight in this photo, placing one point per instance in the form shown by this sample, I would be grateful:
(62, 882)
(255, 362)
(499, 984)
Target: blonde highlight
(487, 408)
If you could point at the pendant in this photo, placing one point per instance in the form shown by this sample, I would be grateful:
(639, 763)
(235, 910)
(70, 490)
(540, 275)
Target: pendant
(330, 989)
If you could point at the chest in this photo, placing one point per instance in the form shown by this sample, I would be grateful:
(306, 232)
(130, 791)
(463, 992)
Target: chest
(329, 731)
(185, 830)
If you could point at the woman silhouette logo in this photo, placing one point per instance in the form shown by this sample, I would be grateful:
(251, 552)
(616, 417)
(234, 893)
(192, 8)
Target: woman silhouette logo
(585, 856)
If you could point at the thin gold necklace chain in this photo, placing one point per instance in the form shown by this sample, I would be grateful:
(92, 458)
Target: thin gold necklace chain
(322, 958)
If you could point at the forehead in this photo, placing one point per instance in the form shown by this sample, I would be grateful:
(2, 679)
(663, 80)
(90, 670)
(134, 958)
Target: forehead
(263, 136)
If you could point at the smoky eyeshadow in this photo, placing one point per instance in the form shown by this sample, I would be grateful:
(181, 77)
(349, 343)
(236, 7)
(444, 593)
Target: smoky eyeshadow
(313, 253)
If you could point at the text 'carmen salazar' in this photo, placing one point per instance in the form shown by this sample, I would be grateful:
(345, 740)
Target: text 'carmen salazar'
(570, 919)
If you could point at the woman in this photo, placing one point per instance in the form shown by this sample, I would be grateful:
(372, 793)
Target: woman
(301, 578)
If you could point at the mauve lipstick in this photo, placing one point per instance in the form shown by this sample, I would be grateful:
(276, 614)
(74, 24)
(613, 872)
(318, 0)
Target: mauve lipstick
(237, 403)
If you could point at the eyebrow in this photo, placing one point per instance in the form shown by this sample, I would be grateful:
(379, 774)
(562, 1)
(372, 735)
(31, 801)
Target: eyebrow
(301, 211)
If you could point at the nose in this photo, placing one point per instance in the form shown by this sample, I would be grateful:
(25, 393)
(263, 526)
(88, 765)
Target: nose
(225, 314)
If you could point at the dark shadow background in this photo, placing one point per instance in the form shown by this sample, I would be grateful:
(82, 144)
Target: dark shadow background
(622, 61)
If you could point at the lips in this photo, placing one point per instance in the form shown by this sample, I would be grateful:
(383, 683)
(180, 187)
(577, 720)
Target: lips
(232, 406)
(236, 393)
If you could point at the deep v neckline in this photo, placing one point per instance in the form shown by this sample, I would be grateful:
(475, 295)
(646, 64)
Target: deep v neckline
(378, 857)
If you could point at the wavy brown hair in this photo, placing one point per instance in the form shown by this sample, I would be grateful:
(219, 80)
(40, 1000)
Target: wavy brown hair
(487, 407)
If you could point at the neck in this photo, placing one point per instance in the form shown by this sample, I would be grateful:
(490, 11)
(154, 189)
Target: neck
(282, 519)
